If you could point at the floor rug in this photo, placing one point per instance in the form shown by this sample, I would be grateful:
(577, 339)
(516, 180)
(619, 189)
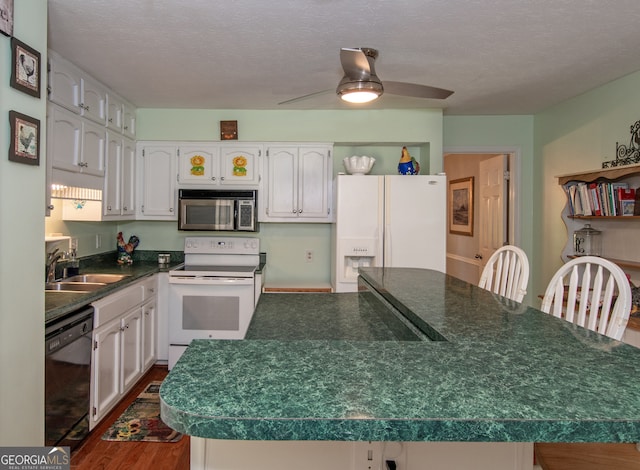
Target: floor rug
(141, 421)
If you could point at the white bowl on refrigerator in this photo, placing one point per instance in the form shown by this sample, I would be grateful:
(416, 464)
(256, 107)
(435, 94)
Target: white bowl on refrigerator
(358, 165)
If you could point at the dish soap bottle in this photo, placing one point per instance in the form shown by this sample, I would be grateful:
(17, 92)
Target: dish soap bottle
(73, 266)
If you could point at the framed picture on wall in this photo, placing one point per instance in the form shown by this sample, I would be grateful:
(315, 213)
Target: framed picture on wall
(461, 206)
(25, 139)
(25, 68)
(6, 17)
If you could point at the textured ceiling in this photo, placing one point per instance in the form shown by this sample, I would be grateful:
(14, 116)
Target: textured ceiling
(499, 56)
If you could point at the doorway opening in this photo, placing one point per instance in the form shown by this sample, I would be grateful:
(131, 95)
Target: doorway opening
(496, 189)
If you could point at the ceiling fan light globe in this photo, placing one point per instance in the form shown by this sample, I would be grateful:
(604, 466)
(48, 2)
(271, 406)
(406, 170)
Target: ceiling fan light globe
(359, 91)
(359, 96)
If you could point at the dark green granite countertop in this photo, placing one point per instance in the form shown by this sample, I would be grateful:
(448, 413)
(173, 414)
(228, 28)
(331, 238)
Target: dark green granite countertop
(320, 367)
(58, 304)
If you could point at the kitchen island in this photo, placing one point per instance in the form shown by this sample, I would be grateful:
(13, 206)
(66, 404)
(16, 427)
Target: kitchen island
(486, 370)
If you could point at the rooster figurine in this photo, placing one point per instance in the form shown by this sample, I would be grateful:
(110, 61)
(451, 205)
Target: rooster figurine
(408, 165)
(125, 250)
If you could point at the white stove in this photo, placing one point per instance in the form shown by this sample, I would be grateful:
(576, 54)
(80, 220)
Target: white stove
(213, 294)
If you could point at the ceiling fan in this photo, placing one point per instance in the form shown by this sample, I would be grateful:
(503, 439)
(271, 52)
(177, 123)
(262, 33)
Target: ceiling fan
(360, 83)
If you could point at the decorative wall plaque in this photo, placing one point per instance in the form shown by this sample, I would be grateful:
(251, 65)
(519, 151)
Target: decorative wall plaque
(228, 130)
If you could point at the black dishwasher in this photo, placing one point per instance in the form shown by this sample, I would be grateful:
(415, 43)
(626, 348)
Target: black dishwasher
(68, 378)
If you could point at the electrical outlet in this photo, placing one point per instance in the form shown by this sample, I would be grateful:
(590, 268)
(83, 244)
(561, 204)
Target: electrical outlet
(308, 256)
(367, 456)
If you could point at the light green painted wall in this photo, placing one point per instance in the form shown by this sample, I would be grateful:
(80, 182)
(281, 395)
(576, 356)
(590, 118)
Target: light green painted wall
(22, 248)
(504, 133)
(574, 136)
(377, 133)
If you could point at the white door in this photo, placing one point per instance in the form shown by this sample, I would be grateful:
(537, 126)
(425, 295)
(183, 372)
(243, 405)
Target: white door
(282, 182)
(158, 182)
(112, 186)
(415, 222)
(313, 171)
(492, 207)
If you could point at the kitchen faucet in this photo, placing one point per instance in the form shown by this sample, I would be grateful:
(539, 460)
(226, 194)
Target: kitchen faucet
(52, 261)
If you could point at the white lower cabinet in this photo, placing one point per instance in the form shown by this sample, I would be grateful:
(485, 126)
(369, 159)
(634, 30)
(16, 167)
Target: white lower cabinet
(124, 344)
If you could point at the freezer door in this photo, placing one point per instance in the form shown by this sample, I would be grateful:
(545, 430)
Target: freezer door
(415, 222)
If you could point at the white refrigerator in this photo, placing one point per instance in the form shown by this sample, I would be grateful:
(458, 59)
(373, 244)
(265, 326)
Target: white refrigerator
(387, 221)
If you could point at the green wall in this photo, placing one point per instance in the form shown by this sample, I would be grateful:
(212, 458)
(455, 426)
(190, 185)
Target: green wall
(377, 133)
(503, 134)
(575, 136)
(22, 247)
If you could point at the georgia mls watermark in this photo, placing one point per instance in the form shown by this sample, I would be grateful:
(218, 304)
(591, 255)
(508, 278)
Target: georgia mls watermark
(35, 458)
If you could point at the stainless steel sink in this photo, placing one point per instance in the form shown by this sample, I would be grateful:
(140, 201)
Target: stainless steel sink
(96, 278)
(74, 286)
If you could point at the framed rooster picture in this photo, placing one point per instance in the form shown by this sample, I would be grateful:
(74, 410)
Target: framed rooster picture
(25, 70)
(25, 139)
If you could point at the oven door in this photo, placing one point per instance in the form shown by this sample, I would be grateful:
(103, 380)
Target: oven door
(209, 308)
(206, 214)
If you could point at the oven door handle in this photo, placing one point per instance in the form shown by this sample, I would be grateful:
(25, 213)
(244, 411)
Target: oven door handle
(211, 280)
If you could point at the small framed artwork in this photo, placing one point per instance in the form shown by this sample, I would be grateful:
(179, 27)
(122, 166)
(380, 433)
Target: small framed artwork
(461, 206)
(25, 139)
(25, 70)
(6, 17)
(228, 130)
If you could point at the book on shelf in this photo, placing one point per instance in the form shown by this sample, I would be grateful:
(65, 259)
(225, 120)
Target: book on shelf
(627, 198)
(602, 199)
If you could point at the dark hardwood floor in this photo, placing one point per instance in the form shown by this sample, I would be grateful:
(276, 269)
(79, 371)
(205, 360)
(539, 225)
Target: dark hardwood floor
(96, 454)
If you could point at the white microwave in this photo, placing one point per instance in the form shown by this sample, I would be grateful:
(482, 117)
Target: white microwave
(217, 210)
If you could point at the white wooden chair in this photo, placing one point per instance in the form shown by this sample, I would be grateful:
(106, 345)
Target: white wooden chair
(591, 292)
(506, 273)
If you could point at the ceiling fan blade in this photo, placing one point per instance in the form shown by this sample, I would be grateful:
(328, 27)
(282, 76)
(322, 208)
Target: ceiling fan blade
(416, 91)
(356, 64)
(304, 97)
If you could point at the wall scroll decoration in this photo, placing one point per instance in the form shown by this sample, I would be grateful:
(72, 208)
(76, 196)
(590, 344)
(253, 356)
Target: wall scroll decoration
(627, 155)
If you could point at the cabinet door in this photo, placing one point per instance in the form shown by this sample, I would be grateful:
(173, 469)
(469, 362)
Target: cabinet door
(158, 182)
(314, 182)
(93, 100)
(114, 112)
(105, 384)
(111, 202)
(199, 165)
(282, 182)
(131, 348)
(149, 313)
(64, 140)
(64, 84)
(93, 148)
(129, 121)
(128, 180)
(239, 165)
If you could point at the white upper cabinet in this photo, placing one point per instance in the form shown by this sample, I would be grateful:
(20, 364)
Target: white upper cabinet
(156, 165)
(297, 186)
(75, 90)
(115, 106)
(64, 84)
(75, 144)
(93, 100)
(239, 165)
(118, 199)
(213, 164)
(129, 120)
(199, 164)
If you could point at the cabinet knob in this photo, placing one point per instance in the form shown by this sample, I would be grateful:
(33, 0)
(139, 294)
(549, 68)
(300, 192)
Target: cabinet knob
(170, 209)
(51, 207)
(108, 208)
(299, 211)
(126, 128)
(213, 178)
(110, 119)
(294, 211)
(222, 178)
(478, 256)
(125, 208)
